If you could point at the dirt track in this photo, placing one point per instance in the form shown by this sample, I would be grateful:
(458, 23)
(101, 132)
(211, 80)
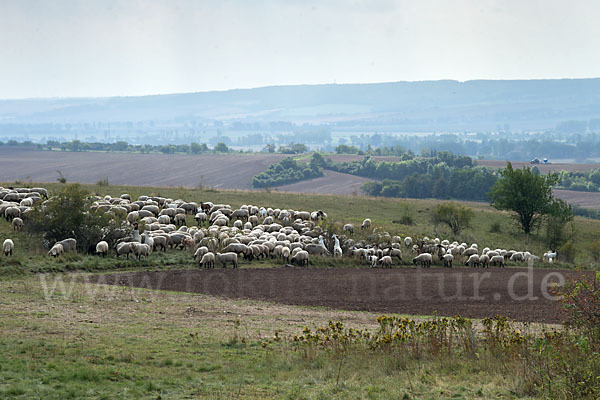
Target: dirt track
(407, 291)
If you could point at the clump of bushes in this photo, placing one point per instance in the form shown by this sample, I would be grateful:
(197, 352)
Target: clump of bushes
(288, 171)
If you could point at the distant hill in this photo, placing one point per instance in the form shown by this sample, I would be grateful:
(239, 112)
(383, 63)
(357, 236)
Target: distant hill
(427, 105)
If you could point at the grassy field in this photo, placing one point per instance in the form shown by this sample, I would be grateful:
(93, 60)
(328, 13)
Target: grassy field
(91, 341)
(133, 343)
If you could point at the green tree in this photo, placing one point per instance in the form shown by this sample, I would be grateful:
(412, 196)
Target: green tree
(454, 215)
(525, 193)
(68, 214)
(221, 148)
(560, 213)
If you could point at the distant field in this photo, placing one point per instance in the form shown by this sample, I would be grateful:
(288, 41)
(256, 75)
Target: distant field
(209, 170)
(544, 168)
(219, 171)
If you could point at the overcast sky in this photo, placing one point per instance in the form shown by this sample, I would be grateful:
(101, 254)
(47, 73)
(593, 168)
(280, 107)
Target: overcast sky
(63, 48)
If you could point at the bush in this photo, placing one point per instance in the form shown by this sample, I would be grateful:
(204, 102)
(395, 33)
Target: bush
(495, 227)
(454, 215)
(68, 214)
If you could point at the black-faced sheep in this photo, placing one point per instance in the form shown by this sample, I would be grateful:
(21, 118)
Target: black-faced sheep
(423, 259)
(8, 247)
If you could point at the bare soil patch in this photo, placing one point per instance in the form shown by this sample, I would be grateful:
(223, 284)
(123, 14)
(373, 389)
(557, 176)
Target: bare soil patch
(330, 183)
(514, 292)
(544, 168)
(579, 199)
(219, 171)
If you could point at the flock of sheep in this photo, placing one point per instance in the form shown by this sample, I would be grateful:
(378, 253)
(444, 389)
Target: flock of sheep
(224, 234)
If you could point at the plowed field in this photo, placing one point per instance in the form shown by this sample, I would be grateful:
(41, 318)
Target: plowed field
(518, 293)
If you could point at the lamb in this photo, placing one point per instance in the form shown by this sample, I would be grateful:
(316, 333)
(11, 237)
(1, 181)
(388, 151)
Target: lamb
(473, 261)
(56, 250)
(141, 249)
(301, 257)
(497, 260)
(224, 258)
(102, 248)
(424, 259)
(208, 260)
(17, 224)
(366, 224)
(8, 247)
(448, 259)
(200, 252)
(386, 261)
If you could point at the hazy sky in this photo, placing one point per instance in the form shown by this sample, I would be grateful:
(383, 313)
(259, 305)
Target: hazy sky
(61, 48)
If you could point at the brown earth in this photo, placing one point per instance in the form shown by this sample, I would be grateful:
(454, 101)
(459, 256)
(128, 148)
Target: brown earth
(219, 171)
(544, 168)
(404, 291)
(330, 183)
(580, 199)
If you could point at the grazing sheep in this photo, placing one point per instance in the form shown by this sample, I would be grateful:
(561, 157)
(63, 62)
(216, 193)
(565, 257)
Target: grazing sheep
(200, 252)
(484, 260)
(366, 224)
(225, 258)
(160, 241)
(285, 254)
(124, 248)
(141, 249)
(448, 259)
(408, 242)
(12, 212)
(17, 224)
(207, 261)
(473, 261)
(470, 251)
(424, 259)
(518, 256)
(301, 257)
(386, 262)
(69, 244)
(56, 250)
(102, 248)
(497, 260)
(200, 218)
(349, 228)
(8, 247)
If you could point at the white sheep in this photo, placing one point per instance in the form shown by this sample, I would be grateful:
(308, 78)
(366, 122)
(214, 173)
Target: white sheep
(301, 258)
(424, 259)
(200, 252)
(8, 247)
(386, 261)
(225, 258)
(141, 249)
(408, 242)
(349, 228)
(285, 253)
(366, 224)
(124, 248)
(102, 248)
(497, 260)
(473, 261)
(17, 224)
(484, 260)
(448, 259)
(208, 260)
(56, 250)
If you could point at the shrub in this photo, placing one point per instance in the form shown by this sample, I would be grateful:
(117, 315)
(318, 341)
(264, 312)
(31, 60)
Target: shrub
(457, 217)
(495, 227)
